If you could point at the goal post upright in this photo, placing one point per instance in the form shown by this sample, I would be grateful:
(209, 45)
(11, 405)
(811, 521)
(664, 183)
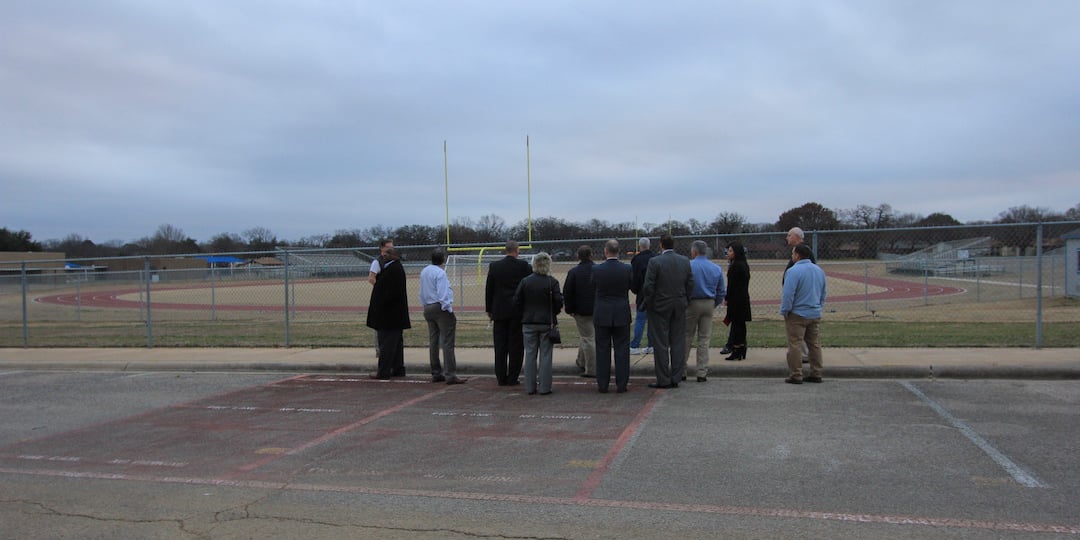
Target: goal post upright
(481, 249)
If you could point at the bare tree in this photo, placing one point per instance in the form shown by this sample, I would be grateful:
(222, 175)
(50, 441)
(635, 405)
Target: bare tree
(260, 239)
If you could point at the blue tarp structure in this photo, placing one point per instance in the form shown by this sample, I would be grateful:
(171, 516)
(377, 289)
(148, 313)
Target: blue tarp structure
(71, 266)
(221, 259)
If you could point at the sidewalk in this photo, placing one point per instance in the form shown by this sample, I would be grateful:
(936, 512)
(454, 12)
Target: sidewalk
(988, 363)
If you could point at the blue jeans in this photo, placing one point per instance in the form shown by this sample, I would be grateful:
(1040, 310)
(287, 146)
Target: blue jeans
(640, 318)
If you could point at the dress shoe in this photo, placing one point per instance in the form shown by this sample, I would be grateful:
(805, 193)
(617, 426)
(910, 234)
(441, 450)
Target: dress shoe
(376, 376)
(514, 382)
(455, 380)
(588, 375)
(398, 374)
(658, 385)
(548, 393)
(620, 390)
(812, 379)
(437, 378)
(793, 380)
(602, 390)
(701, 379)
(531, 393)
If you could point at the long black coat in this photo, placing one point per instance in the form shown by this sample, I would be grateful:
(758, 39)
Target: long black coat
(389, 307)
(738, 291)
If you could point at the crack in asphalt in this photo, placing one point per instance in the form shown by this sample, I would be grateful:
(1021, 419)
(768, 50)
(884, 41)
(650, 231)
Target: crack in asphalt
(49, 510)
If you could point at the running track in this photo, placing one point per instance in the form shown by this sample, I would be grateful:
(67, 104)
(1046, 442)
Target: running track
(894, 289)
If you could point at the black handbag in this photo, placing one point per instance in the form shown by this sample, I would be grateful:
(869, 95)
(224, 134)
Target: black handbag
(553, 333)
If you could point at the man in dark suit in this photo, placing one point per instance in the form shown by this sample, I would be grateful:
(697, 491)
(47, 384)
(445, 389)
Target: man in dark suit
(611, 318)
(388, 314)
(502, 280)
(667, 289)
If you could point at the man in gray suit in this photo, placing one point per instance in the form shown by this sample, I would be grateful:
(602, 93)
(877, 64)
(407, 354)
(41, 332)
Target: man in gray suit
(611, 318)
(668, 285)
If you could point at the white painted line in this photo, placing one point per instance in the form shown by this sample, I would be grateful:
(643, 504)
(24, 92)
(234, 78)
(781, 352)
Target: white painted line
(1018, 473)
(557, 416)
(2, 373)
(254, 408)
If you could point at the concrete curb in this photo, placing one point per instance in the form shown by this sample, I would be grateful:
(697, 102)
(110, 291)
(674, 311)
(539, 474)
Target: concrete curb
(721, 372)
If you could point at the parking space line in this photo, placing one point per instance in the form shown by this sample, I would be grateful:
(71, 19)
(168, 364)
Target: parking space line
(628, 434)
(1021, 476)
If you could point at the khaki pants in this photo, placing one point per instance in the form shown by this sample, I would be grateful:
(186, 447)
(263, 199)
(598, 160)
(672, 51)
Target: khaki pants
(586, 354)
(699, 315)
(802, 332)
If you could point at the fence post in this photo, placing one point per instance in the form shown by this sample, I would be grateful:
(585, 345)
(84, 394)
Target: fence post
(1020, 273)
(287, 337)
(866, 286)
(978, 281)
(1038, 286)
(213, 291)
(149, 311)
(926, 282)
(25, 320)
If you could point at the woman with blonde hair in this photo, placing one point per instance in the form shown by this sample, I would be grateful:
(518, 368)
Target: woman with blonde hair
(539, 300)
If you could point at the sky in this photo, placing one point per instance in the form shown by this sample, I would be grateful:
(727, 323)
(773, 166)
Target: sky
(309, 117)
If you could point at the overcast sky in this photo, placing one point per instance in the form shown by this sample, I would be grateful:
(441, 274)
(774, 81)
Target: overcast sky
(307, 117)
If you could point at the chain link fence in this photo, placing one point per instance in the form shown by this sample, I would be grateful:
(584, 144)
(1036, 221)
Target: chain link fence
(991, 285)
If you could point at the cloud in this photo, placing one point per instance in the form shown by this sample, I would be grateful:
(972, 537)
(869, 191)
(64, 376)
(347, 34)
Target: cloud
(311, 117)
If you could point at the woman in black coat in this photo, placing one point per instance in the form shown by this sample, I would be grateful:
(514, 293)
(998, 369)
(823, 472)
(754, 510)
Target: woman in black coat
(388, 314)
(738, 299)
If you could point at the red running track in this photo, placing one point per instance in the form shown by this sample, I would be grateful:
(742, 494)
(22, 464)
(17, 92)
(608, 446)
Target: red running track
(895, 289)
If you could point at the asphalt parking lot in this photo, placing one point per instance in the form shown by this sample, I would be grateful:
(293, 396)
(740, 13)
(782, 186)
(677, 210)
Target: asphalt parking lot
(224, 455)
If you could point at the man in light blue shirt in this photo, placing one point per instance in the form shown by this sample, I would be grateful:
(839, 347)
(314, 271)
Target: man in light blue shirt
(800, 305)
(708, 293)
(438, 300)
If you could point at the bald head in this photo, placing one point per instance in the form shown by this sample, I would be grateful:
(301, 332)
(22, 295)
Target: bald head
(795, 236)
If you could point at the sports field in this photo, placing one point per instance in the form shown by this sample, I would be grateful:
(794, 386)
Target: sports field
(900, 309)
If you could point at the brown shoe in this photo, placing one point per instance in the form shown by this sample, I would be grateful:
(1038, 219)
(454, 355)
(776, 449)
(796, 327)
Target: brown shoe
(793, 380)
(455, 380)
(812, 379)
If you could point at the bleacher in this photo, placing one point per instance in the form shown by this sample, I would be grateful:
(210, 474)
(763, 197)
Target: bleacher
(328, 265)
(965, 257)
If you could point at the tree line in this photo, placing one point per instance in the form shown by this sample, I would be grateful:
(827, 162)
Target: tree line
(812, 216)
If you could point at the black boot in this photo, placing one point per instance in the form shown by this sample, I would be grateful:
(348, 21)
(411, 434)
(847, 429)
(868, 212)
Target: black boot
(738, 352)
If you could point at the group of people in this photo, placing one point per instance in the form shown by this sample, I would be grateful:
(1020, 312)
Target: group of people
(676, 298)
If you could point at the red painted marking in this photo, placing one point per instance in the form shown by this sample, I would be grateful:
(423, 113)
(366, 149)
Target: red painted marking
(752, 511)
(597, 476)
(330, 435)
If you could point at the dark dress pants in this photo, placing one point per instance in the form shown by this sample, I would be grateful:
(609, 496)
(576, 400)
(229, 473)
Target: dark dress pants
(509, 349)
(669, 353)
(608, 338)
(391, 353)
